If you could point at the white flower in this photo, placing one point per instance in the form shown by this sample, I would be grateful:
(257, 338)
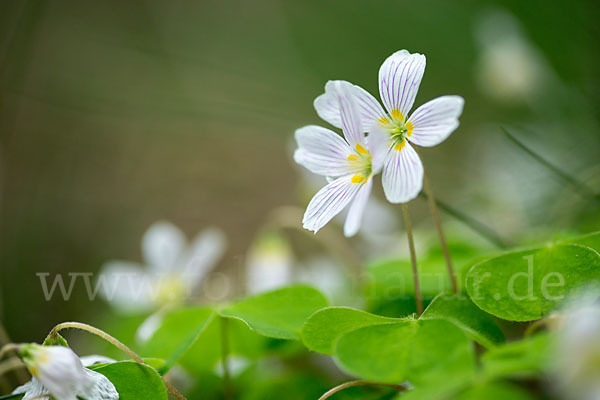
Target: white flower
(351, 163)
(578, 350)
(174, 269)
(270, 263)
(58, 372)
(399, 79)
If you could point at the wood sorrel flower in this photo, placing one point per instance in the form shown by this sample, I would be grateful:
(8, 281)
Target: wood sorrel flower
(174, 268)
(349, 164)
(399, 79)
(58, 372)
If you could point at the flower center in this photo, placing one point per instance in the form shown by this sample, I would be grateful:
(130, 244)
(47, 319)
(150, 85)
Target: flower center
(170, 289)
(399, 129)
(360, 162)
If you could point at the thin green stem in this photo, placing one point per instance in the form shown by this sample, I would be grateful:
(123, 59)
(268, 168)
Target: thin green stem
(438, 226)
(577, 185)
(346, 385)
(413, 258)
(224, 358)
(115, 342)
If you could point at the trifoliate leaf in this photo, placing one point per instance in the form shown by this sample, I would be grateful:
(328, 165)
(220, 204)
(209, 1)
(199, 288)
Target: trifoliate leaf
(178, 331)
(323, 327)
(461, 311)
(528, 284)
(411, 349)
(134, 381)
(279, 313)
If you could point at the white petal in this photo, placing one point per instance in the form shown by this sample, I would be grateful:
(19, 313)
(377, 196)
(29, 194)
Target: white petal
(322, 151)
(379, 145)
(368, 106)
(402, 175)
(103, 389)
(149, 326)
(399, 79)
(162, 245)
(60, 371)
(328, 202)
(357, 208)
(328, 107)
(95, 359)
(203, 255)
(435, 120)
(351, 122)
(33, 390)
(126, 286)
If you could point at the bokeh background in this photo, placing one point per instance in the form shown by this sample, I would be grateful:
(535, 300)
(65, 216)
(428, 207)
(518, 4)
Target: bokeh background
(115, 114)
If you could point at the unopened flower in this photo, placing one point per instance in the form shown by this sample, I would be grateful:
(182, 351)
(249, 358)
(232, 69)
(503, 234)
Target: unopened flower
(269, 264)
(173, 269)
(399, 79)
(348, 162)
(58, 372)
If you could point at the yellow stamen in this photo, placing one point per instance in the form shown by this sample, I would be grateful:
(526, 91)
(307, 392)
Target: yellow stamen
(396, 114)
(400, 145)
(358, 178)
(360, 149)
(409, 128)
(383, 121)
(353, 157)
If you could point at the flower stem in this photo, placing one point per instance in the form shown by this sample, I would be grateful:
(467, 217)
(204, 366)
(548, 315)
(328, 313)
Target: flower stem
(115, 342)
(438, 226)
(413, 258)
(224, 358)
(8, 348)
(11, 364)
(288, 217)
(346, 385)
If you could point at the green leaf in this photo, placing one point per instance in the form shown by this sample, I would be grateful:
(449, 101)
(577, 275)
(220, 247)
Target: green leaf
(205, 354)
(278, 314)
(495, 391)
(526, 285)
(135, 381)
(178, 332)
(591, 240)
(323, 327)
(411, 349)
(527, 357)
(461, 311)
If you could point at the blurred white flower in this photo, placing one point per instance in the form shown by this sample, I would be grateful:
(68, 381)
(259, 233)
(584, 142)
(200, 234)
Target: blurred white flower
(351, 163)
(399, 79)
(509, 68)
(58, 372)
(173, 269)
(578, 351)
(269, 264)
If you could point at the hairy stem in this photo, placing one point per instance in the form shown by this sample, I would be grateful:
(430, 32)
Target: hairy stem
(346, 385)
(115, 342)
(413, 258)
(440, 231)
(224, 358)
